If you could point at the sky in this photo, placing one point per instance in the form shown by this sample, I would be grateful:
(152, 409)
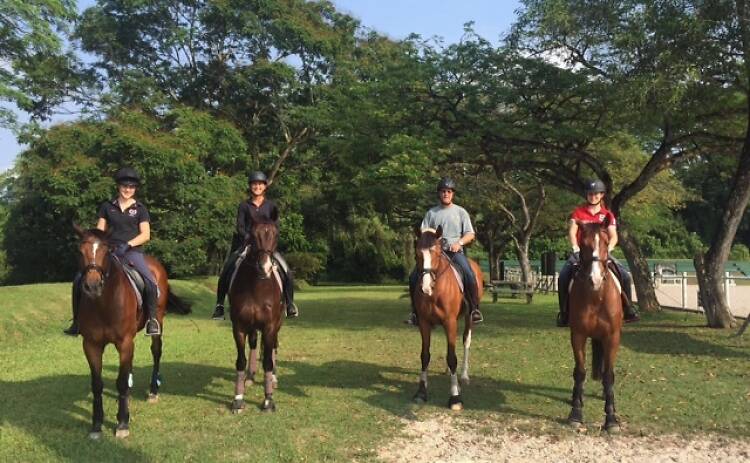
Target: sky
(394, 18)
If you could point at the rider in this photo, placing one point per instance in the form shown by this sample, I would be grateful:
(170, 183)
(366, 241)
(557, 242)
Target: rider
(256, 206)
(592, 212)
(457, 233)
(130, 228)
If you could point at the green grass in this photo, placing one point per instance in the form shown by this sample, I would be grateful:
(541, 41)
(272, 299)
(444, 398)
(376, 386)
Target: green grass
(347, 370)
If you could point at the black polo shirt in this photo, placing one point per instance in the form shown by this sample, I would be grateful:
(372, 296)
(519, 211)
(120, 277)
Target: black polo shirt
(124, 225)
(247, 214)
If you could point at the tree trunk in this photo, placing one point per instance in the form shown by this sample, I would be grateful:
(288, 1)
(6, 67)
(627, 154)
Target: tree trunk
(644, 286)
(711, 289)
(522, 253)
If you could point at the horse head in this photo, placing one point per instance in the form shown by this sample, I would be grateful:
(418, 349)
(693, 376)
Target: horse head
(594, 244)
(264, 237)
(428, 252)
(93, 259)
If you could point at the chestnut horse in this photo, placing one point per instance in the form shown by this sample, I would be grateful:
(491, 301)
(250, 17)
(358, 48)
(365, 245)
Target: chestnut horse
(439, 301)
(595, 312)
(255, 305)
(109, 314)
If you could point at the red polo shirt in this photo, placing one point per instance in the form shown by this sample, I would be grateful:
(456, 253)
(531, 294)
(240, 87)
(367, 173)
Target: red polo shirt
(581, 214)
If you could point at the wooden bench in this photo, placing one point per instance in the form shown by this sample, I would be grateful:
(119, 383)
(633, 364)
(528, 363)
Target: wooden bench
(511, 289)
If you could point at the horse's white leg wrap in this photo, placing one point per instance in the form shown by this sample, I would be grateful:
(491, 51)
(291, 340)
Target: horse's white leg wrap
(455, 390)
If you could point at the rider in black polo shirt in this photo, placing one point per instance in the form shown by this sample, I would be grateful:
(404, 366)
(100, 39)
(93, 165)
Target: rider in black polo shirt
(128, 221)
(256, 206)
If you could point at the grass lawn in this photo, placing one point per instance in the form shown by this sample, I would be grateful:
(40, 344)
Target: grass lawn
(347, 370)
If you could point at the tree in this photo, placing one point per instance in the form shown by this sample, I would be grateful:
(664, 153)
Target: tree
(67, 173)
(677, 74)
(35, 75)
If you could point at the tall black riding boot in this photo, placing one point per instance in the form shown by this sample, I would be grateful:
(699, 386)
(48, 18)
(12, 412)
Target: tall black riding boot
(75, 299)
(149, 305)
(291, 308)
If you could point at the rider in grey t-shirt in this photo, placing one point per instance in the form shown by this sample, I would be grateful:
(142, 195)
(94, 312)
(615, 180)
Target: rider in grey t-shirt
(457, 232)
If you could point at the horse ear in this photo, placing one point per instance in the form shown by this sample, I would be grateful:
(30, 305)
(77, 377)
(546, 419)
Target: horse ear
(439, 232)
(79, 231)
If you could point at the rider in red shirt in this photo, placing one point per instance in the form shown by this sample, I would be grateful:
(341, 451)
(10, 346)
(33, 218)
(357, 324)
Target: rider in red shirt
(592, 212)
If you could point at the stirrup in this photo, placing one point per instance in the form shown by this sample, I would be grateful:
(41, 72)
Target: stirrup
(476, 316)
(292, 311)
(562, 319)
(412, 320)
(150, 327)
(632, 317)
(218, 312)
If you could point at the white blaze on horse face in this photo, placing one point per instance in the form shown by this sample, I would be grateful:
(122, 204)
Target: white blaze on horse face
(267, 265)
(426, 275)
(597, 277)
(94, 247)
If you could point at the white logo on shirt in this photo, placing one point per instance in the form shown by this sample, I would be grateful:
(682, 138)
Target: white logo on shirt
(132, 212)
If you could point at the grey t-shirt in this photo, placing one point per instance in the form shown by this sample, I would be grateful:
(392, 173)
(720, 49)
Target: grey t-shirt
(454, 220)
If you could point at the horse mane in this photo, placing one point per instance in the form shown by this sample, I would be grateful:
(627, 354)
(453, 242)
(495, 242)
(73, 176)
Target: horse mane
(98, 234)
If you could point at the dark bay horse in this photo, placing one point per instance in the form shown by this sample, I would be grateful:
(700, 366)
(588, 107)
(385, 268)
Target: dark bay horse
(109, 314)
(595, 312)
(439, 301)
(255, 306)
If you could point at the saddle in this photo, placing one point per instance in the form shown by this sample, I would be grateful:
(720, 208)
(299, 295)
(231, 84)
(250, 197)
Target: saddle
(135, 279)
(457, 272)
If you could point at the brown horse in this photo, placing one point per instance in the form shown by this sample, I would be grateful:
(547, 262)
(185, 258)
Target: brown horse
(255, 305)
(596, 313)
(439, 301)
(109, 314)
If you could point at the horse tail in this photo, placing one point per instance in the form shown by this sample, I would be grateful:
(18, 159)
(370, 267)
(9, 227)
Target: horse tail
(176, 304)
(597, 359)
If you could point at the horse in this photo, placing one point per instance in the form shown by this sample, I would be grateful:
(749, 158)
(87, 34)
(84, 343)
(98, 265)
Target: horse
(109, 314)
(439, 301)
(256, 306)
(595, 311)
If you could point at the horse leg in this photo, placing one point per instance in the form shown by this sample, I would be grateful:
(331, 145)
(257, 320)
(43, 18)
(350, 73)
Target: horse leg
(93, 354)
(611, 423)
(578, 342)
(454, 402)
(426, 331)
(124, 379)
(252, 366)
(156, 346)
(238, 404)
(269, 342)
(467, 345)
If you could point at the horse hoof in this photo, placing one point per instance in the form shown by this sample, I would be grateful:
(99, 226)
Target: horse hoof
(465, 380)
(575, 424)
(455, 403)
(268, 406)
(238, 406)
(122, 433)
(613, 429)
(152, 398)
(95, 435)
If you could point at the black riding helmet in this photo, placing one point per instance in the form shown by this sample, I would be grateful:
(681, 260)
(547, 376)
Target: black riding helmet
(127, 176)
(595, 186)
(257, 176)
(446, 183)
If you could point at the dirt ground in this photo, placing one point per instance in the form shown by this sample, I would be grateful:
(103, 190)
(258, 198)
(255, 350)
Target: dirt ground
(452, 439)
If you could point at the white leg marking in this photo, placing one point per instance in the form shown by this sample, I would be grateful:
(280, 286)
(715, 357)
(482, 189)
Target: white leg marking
(455, 390)
(467, 345)
(130, 380)
(423, 377)
(239, 397)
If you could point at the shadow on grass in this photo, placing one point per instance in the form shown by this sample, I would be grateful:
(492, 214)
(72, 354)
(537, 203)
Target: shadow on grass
(386, 389)
(665, 342)
(50, 408)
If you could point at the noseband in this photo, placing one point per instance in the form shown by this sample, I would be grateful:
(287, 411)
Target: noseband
(431, 271)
